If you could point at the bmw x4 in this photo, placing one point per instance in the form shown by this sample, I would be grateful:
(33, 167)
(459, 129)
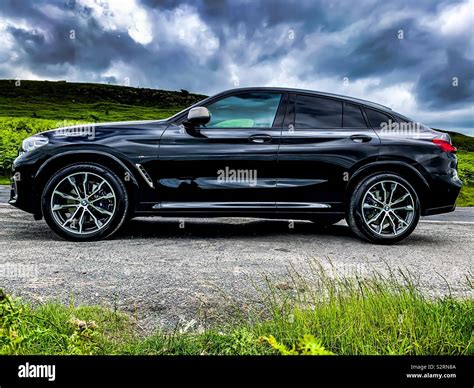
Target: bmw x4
(250, 152)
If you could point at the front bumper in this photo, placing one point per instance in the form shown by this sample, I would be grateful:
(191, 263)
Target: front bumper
(23, 191)
(22, 194)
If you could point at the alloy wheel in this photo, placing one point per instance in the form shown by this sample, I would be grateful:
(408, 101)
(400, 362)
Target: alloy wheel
(83, 203)
(388, 208)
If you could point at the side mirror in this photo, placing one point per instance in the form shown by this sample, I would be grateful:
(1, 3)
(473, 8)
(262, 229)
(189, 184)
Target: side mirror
(198, 116)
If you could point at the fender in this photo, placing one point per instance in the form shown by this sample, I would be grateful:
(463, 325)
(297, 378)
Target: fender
(101, 153)
(378, 164)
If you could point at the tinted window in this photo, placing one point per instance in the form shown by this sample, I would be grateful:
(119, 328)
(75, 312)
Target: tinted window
(377, 118)
(403, 119)
(317, 112)
(245, 110)
(411, 124)
(353, 116)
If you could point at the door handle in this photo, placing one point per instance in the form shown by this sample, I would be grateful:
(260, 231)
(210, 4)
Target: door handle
(260, 138)
(359, 138)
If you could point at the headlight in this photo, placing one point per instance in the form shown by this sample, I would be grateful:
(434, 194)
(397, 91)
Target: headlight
(34, 142)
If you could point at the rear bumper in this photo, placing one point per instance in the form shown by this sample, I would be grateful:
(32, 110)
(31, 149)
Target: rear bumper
(439, 210)
(444, 190)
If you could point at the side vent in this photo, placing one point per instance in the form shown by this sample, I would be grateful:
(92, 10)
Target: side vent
(145, 175)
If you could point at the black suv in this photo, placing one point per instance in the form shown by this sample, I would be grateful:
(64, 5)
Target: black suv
(249, 152)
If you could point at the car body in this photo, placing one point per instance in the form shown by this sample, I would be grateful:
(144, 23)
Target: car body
(260, 152)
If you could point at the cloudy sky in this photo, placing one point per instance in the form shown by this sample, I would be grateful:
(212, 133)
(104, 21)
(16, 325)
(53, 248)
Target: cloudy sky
(415, 56)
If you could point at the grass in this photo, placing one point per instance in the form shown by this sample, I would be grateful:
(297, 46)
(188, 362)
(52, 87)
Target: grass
(327, 315)
(466, 173)
(466, 197)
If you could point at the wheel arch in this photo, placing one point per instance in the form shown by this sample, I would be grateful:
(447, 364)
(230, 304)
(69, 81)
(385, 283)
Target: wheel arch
(408, 172)
(64, 159)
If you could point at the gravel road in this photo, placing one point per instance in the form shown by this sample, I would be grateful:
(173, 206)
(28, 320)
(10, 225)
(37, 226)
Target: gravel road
(166, 274)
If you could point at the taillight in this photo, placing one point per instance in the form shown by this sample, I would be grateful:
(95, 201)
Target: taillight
(445, 145)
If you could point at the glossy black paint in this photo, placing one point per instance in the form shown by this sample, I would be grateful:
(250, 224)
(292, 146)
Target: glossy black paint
(299, 172)
(314, 165)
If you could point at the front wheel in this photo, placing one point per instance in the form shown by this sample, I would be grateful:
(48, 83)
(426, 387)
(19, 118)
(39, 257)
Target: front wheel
(84, 202)
(383, 209)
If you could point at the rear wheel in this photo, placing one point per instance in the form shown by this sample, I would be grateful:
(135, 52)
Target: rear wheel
(384, 209)
(84, 202)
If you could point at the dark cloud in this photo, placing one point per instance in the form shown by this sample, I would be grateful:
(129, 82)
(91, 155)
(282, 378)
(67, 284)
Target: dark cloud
(451, 83)
(222, 39)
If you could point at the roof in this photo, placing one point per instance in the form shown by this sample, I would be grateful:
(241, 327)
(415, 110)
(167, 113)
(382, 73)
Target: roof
(318, 93)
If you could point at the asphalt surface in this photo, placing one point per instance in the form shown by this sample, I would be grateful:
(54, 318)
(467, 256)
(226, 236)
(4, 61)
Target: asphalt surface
(167, 275)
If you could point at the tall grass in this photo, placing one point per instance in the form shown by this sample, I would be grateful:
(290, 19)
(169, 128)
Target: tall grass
(372, 315)
(328, 313)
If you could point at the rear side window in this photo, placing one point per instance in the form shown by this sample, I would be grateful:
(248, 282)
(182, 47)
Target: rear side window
(317, 112)
(353, 117)
(377, 118)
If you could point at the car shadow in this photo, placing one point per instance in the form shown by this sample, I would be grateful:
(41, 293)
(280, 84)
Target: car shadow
(206, 228)
(230, 228)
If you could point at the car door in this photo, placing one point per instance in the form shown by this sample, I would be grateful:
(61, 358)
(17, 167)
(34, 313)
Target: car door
(230, 164)
(323, 141)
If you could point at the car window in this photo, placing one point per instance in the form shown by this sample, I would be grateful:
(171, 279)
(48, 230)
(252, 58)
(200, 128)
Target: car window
(353, 117)
(244, 110)
(377, 118)
(317, 112)
(403, 119)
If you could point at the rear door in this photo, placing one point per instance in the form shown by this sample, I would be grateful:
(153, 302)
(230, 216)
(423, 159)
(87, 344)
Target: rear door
(323, 141)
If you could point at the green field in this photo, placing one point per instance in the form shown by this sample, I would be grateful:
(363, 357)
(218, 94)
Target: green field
(329, 315)
(36, 106)
(89, 102)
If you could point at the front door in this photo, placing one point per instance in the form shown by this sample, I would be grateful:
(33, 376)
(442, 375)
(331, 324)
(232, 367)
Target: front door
(228, 164)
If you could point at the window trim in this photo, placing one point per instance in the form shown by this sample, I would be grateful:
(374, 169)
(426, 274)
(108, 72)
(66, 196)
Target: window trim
(281, 112)
(290, 112)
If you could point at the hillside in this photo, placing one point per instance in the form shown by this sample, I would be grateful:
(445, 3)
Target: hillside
(91, 102)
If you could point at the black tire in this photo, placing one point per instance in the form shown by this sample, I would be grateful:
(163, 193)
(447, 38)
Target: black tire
(326, 220)
(107, 228)
(355, 218)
